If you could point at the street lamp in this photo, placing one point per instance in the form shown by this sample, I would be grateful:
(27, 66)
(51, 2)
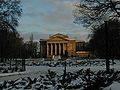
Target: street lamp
(106, 19)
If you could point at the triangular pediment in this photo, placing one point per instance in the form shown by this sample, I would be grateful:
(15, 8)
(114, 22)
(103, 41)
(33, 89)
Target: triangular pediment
(58, 37)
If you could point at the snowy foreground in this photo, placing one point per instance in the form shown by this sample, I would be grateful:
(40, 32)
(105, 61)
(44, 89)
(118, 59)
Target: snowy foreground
(38, 74)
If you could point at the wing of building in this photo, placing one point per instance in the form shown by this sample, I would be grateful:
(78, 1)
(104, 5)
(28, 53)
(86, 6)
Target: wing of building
(59, 45)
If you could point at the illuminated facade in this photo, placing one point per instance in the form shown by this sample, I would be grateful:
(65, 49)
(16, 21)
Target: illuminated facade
(58, 45)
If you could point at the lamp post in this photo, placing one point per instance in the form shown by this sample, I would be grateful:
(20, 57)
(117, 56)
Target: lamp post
(107, 47)
(106, 19)
(117, 9)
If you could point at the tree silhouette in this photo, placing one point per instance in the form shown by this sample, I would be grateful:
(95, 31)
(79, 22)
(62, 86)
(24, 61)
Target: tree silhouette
(97, 41)
(10, 11)
(89, 12)
(31, 47)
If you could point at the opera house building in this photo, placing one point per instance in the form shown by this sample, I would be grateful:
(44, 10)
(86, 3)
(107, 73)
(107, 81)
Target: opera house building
(60, 45)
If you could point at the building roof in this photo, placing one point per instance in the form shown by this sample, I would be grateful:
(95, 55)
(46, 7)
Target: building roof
(62, 36)
(59, 35)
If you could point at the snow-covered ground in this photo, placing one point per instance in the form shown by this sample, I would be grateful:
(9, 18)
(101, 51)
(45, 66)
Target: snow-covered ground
(113, 86)
(34, 71)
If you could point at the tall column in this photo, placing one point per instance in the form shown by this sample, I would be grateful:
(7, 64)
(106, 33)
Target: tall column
(55, 49)
(47, 50)
(63, 48)
(51, 49)
(59, 49)
(66, 46)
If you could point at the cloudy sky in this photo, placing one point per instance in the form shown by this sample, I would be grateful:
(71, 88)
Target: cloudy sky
(47, 17)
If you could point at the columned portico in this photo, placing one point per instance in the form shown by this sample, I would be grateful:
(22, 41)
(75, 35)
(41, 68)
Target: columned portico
(55, 49)
(58, 45)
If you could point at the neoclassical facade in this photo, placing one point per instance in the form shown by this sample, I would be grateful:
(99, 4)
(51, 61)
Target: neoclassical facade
(58, 45)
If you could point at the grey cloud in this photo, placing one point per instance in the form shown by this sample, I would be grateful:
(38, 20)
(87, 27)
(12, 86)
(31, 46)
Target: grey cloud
(59, 19)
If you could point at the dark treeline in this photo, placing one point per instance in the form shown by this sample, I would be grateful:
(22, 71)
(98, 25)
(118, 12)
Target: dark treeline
(10, 40)
(31, 47)
(93, 12)
(11, 43)
(97, 43)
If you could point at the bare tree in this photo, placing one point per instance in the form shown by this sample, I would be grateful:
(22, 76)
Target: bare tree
(92, 12)
(88, 12)
(10, 12)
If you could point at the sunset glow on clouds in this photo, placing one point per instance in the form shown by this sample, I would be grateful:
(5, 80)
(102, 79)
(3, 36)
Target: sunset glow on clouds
(44, 17)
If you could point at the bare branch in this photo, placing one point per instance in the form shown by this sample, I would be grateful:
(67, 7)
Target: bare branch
(91, 11)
